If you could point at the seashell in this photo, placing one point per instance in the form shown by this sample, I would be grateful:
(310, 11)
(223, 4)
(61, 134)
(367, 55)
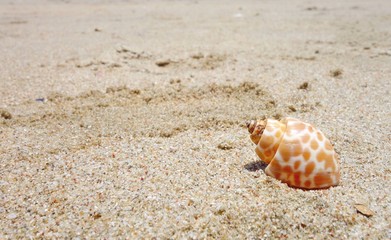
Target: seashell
(296, 153)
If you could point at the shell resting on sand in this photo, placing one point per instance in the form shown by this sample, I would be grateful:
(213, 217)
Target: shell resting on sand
(296, 153)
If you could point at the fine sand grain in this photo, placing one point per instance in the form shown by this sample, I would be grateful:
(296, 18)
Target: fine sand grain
(127, 119)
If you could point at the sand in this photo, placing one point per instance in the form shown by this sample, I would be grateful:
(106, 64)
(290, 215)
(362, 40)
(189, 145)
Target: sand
(126, 118)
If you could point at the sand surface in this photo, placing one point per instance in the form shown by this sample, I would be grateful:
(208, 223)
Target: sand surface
(126, 118)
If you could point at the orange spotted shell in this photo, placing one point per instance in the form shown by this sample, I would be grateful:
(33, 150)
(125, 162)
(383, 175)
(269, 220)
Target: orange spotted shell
(296, 153)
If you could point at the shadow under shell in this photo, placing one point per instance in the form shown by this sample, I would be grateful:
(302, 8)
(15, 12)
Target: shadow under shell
(255, 166)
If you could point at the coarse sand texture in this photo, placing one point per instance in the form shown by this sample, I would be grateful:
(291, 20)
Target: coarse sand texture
(127, 119)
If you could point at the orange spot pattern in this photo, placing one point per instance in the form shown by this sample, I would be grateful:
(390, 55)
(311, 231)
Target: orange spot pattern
(270, 140)
(307, 184)
(297, 165)
(260, 154)
(266, 142)
(322, 179)
(278, 134)
(328, 145)
(296, 177)
(255, 138)
(287, 169)
(306, 154)
(306, 138)
(323, 156)
(299, 126)
(309, 168)
(314, 144)
(288, 149)
(320, 137)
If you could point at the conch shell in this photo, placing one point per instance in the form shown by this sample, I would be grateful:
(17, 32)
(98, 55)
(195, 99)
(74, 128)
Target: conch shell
(296, 153)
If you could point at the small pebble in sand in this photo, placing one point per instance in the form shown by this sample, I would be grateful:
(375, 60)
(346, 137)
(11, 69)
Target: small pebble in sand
(364, 210)
(96, 216)
(303, 86)
(5, 114)
(197, 56)
(175, 81)
(12, 216)
(336, 73)
(115, 65)
(163, 63)
(123, 49)
(311, 8)
(225, 146)
(172, 149)
(292, 108)
(226, 143)
(40, 99)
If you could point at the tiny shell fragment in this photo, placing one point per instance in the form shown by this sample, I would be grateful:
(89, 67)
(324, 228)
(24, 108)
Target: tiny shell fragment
(12, 216)
(364, 210)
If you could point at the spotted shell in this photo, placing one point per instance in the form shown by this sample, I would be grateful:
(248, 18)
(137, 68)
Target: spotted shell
(296, 153)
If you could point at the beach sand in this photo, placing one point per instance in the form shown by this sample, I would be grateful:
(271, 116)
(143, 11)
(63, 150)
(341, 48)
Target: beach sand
(126, 119)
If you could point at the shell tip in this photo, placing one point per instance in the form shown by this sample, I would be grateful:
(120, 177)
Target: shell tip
(251, 125)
